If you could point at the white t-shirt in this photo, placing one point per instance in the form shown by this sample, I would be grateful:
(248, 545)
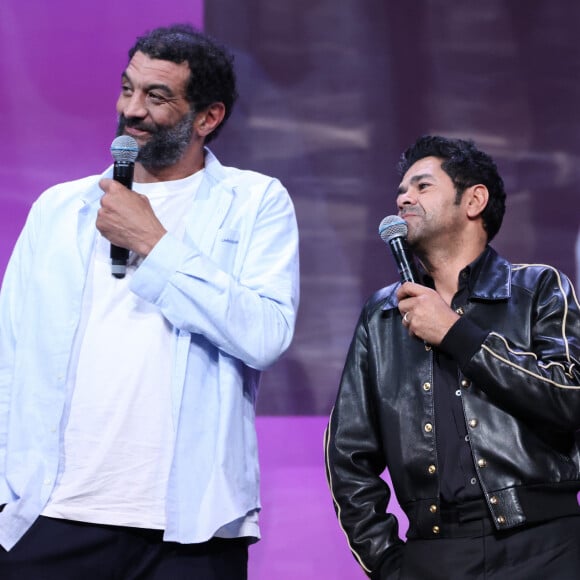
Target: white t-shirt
(118, 433)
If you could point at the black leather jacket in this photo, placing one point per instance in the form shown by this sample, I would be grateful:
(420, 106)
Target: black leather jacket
(521, 398)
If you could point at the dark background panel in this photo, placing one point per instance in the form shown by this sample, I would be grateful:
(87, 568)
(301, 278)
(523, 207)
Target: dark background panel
(331, 93)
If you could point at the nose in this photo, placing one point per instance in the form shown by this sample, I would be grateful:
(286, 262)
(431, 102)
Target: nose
(406, 198)
(133, 105)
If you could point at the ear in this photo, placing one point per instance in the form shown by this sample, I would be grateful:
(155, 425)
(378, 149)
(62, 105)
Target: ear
(476, 198)
(207, 120)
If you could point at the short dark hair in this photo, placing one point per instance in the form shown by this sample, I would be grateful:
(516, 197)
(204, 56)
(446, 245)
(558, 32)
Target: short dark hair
(466, 165)
(212, 78)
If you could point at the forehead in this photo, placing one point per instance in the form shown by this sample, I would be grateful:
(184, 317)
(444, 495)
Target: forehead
(426, 166)
(147, 71)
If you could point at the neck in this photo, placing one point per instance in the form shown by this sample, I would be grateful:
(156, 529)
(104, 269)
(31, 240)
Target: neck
(444, 267)
(191, 162)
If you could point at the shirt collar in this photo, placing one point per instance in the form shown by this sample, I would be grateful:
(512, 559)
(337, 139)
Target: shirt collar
(467, 277)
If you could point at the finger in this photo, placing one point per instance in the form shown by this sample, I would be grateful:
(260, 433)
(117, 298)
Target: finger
(105, 183)
(409, 290)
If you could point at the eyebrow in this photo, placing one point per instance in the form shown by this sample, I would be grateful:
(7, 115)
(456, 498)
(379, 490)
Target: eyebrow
(153, 87)
(414, 180)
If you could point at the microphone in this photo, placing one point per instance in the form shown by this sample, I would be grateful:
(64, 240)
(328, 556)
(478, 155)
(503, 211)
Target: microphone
(393, 231)
(124, 150)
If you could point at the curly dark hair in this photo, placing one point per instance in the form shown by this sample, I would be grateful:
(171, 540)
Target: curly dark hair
(212, 77)
(466, 165)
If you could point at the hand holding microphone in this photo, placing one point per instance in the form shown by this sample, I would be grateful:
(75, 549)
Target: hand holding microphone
(423, 310)
(126, 218)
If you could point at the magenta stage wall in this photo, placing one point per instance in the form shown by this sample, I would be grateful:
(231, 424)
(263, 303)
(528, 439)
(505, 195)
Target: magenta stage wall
(60, 73)
(301, 537)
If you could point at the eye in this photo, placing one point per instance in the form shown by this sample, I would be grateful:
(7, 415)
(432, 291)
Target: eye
(423, 185)
(156, 98)
(126, 90)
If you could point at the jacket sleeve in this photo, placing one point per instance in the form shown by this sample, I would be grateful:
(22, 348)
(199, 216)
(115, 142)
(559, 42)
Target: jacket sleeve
(541, 379)
(354, 463)
(249, 316)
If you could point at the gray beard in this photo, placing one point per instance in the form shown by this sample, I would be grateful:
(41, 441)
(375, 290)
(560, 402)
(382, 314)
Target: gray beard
(166, 145)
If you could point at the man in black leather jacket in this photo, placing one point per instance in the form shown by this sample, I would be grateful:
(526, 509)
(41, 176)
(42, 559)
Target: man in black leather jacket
(467, 388)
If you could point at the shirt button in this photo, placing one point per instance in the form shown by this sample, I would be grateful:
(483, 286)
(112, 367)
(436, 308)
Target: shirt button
(500, 520)
(458, 393)
(433, 509)
(436, 529)
(465, 383)
(431, 469)
(427, 387)
(427, 347)
(493, 500)
(459, 311)
(428, 427)
(473, 423)
(47, 481)
(481, 462)
(473, 481)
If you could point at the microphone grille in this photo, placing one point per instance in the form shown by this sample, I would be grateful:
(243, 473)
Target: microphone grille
(124, 149)
(392, 227)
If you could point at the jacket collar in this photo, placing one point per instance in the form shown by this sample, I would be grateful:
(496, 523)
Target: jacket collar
(493, 282)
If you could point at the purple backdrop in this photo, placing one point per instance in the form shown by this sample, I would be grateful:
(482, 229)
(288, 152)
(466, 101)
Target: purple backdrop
(60, 72)
(330, 94)
(327, 108)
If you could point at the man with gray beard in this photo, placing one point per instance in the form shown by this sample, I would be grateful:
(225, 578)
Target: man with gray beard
(127, 438)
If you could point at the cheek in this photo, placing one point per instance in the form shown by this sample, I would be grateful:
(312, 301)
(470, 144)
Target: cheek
(119, 105)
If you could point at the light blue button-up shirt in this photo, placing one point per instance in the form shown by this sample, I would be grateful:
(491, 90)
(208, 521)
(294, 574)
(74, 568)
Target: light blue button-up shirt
(230, 290)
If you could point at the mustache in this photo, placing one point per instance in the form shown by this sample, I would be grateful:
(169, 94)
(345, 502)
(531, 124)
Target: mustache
(404, 212)
(135, 123)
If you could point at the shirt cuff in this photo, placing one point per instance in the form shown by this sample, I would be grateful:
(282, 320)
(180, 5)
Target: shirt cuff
(153, 274)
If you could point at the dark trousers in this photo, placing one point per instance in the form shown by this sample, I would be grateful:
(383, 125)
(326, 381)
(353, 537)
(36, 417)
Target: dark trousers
(55, 549)
(547, 551)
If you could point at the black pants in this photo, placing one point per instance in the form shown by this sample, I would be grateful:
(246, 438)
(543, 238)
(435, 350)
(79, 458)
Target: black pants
(56, 549)
(548, 551)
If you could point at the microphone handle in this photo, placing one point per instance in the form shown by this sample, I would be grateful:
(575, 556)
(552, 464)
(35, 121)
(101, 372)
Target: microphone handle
(403, 259)
(123, 173)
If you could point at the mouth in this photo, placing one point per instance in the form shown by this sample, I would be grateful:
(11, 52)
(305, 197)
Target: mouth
(136, 132)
